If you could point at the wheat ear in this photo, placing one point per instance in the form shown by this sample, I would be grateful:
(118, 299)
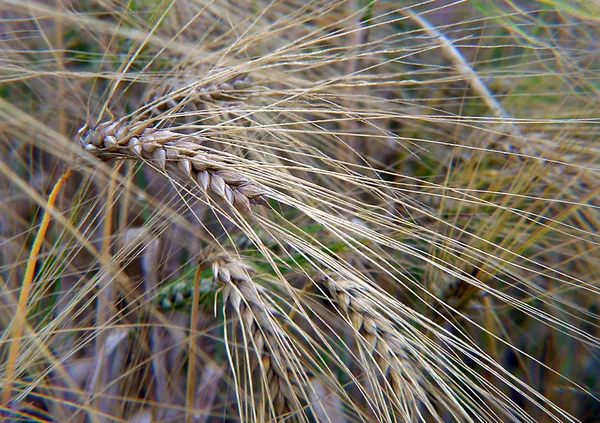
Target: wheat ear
(175, 95)
(178, 154)
(275, 357)
(406, 370)
(382, 350)
(407, 375)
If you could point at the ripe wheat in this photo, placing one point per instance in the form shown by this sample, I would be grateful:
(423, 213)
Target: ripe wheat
(276, 367)
(457, 224)
(175, 153)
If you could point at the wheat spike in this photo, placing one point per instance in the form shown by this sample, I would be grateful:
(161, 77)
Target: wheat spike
(229, 89)
(178, 154)
(275, 361)
(175, 94)
(404, 370)
(381, 345)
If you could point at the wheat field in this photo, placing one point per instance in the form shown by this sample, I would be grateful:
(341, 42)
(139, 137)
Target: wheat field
(316, 211)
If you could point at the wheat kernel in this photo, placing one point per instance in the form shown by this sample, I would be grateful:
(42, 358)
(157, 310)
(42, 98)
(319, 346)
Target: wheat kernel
(217, 185)
(134, 145)
(185, 166)
(203, 179)
(160, 157)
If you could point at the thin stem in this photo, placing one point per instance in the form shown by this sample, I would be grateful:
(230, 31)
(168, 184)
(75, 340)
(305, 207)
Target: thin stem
(106, 293)
(461, 65)
(21, 313)
(191, 382)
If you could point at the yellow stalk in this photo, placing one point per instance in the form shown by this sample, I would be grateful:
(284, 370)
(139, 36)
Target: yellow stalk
(20, 318)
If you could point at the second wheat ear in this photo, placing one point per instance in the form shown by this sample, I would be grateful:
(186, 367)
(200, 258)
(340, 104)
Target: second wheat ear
(275, 360)
(178, 154)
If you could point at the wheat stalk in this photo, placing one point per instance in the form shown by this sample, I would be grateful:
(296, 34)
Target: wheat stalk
(20, 318)
(179, 155)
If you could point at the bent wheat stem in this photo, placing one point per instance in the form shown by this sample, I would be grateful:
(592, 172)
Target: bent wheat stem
(463, 67)
(21, 311)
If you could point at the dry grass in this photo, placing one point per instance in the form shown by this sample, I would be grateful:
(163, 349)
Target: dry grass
(328, 211)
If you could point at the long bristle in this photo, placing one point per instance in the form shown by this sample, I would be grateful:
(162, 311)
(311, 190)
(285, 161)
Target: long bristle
(334, 211)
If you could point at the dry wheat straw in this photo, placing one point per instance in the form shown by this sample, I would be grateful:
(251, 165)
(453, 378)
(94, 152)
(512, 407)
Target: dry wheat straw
(20, 318)
(454, 55)
(179, 155)
(275, 359)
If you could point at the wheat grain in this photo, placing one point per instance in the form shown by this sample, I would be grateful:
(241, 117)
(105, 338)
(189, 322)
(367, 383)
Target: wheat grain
(178, 154)
(381, 347)
(276, 362)
(408, 372)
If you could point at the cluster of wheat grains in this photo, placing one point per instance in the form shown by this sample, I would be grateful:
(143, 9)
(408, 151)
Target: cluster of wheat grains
(321, 211)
